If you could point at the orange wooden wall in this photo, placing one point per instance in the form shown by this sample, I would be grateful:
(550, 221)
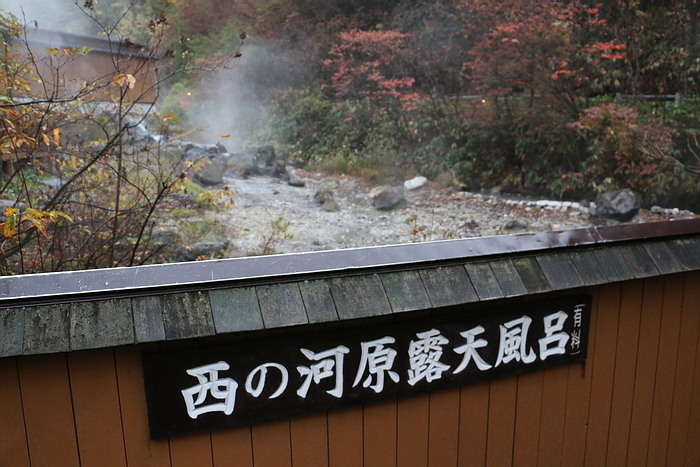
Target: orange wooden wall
(636, 402)
(94, 67)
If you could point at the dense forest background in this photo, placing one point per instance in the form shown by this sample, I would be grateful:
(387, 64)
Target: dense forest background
(561, 99)
(565, 99)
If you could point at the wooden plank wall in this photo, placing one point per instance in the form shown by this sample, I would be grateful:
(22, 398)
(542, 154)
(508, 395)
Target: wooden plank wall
(636, 402)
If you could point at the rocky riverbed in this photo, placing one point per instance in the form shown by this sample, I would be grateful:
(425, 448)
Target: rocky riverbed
(271, 216)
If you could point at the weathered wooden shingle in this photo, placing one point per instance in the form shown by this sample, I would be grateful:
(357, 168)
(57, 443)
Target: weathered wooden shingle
(236, 310)
(588, 267)
(148, 319)
(638, 261)
(318, 301)
(531, 274)
(508, 278)
(281, 305)
(663, 258)
(485, 283)
(448, 285)
(359, 296)
(11, 331)
(46, 329)
(687, 252)
(104, 323)
(560, 271)
(187, 315)
(405, 291)
(613, 264)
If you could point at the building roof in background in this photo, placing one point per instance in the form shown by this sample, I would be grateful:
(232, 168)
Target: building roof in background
(51, 38)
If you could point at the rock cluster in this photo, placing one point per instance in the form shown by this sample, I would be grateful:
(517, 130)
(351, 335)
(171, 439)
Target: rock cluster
(618, 206)
(213, 162)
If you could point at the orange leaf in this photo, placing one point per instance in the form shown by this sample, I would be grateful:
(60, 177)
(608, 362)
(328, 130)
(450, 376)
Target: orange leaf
(124, 79)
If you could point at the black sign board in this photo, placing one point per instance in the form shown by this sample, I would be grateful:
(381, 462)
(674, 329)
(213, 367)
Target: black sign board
(207, 388)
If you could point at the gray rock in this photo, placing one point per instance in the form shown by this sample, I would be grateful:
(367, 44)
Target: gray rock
(174, 151)
(194, 152)
(267, 162)
(206, 250)
(329, 184)
(515, 224)
(415, 183)
(265, 156)
(330, 205)
(296, 182)
(387, 197)
(670, 212)
(211, 172)
(323, 195)
(242, 164)
(217, 148)
(620, 205)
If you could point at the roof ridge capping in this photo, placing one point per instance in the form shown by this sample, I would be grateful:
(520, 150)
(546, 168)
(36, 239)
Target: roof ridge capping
(174, 275)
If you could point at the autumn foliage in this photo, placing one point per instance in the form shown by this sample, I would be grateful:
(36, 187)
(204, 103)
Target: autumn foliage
(366, 64)
(540, 97)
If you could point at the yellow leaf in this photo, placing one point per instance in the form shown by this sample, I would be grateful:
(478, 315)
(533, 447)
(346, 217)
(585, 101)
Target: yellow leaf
(54, 215)
(167, 117)
(35, 213)
(45, 139)
(10, 222)
(57, 136)
(224, 136)
(39, 225)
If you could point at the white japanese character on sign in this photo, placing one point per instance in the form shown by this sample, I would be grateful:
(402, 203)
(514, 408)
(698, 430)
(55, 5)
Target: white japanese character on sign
(469, 349)
(330, 362)
(575, 339)
(376, 360)
(424, 357)
(554, 342)
(256, 390)
(578, 315)
(223, 389)
(513, 342)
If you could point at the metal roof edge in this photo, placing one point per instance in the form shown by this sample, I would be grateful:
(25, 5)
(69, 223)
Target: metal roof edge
(218, 272)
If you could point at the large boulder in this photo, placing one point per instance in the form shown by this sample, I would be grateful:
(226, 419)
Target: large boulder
(265, 156)
(211, 172)
(217, 148)
(242, 164)
(269, 163)
(620, 205)
(387, 197)
(194, 152)
(174, 150)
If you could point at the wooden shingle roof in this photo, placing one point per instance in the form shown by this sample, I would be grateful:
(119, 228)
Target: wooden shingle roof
(63, 312)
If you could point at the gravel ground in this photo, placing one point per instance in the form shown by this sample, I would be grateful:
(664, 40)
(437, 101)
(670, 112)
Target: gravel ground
(433, 213)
